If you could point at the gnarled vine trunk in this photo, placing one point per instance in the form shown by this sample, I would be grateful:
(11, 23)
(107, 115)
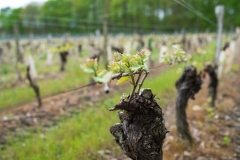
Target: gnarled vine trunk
(34, 86)
(213, 84)
(80, 50)
(63, 57)
(117, 49)
(187, 85)
(142, 130)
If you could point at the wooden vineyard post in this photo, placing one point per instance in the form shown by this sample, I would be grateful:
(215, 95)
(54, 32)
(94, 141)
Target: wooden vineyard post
(150, 61)
(183, 31)
(219, 11)
(1, 55)
(16, 35)
(212, 87)
(18, 54)
(105, 32)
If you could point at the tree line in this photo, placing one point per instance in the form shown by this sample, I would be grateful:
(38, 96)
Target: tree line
(81, 16)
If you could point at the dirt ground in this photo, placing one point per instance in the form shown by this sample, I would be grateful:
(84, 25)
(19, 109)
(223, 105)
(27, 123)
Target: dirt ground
(216, 131)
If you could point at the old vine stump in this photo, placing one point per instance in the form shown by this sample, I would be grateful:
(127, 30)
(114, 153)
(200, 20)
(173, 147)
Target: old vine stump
(63, 57)
(34, 87)
(187, 85)
(142, 131)
(213, 84)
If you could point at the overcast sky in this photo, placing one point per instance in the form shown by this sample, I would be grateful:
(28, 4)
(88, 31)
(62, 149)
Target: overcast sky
(17, 3)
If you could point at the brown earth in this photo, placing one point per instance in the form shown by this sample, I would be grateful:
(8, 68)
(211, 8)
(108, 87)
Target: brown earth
(208, 126)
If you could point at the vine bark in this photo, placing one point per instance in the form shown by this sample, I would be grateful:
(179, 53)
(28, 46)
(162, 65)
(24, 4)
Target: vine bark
(187, 85)
(213, 84)
(142, 131)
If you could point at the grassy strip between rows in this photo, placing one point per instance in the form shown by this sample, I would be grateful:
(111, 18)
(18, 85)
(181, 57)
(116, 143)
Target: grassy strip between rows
(85, 133)
(72, 77)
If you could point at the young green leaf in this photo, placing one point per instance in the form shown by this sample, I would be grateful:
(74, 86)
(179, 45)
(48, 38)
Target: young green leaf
(135, 68)
(123, 79)
(226, 140)
(86, 69)
(104, 78)
(101, 73)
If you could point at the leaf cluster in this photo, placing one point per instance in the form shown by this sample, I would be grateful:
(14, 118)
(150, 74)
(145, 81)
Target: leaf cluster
(62, 48)
(100, 76)
(127, 63)
(177, 56)
(131, 68)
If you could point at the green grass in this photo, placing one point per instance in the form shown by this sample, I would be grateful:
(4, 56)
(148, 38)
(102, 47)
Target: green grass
(71, 139)
(72, 77)
(85, 133)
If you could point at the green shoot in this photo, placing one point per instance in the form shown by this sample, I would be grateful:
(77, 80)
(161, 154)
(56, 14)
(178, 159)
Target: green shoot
(130, 68)
(225, 140)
